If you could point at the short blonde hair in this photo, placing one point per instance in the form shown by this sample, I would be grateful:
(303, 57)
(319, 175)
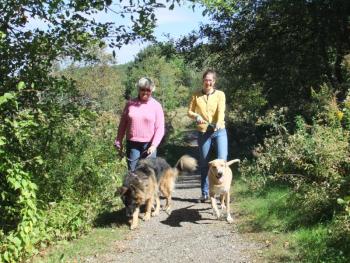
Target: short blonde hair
(145, 82)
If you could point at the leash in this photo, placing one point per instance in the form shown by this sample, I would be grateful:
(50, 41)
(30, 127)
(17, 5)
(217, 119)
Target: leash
(200, 118)
(138, 158)
(212, 125)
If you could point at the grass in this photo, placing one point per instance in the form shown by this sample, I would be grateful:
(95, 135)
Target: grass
(262, 218)
(266, 208)
(110, 227)
(314, 244)
(99, 241)
(269, 218)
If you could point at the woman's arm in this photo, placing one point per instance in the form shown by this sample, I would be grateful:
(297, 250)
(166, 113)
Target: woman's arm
(122, 126)
(191, 108)
(159, 126)
(221, 111)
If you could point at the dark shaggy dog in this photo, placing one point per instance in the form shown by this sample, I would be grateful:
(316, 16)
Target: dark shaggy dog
(152, 175)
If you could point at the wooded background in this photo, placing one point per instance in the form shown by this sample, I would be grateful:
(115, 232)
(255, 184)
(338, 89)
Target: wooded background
(284, 66)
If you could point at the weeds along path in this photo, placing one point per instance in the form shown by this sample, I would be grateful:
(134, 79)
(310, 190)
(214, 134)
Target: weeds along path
(189, 234)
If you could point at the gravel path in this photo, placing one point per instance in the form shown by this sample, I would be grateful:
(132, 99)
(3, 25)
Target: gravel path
(189, 234)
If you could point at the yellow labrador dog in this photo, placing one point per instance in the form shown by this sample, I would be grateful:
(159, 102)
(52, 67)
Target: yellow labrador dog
(220, 178)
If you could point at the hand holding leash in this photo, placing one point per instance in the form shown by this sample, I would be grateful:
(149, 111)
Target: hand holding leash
(200, 120)
(151, 149)
(119, 148)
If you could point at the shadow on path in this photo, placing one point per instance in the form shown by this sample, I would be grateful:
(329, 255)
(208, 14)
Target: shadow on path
(183, 215)
(112, 219)
(189, 200)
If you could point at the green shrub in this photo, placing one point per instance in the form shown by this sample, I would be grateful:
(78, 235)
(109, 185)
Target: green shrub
(311, 161)
(59, 193)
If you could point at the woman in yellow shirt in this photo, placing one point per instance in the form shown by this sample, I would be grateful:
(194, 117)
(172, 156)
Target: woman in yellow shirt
(207, 108)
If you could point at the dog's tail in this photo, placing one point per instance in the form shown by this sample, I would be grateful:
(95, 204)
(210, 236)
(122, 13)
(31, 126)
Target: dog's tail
(186, 164)
(233, 161)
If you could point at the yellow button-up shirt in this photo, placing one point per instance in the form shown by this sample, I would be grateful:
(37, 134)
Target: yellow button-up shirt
(210, 107)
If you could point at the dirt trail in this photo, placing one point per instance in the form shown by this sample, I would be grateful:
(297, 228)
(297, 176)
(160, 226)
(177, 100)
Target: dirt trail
(189, 234)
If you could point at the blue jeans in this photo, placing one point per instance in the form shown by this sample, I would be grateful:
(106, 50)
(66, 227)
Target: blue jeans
(206, 140)
(136, 151)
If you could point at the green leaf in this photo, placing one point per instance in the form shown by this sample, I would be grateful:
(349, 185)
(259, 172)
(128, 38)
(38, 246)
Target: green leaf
(15, 184)
(31, 204)
(33, 186)
(24, 183)
(6, 97)
(39, 160)
(340, 201)
(2, 35)
(6, 256)
(16, 241)
(2, 140)
(21, 85)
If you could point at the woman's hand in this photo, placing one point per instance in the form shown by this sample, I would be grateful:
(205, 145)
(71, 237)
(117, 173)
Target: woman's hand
(218, 127)
(151, 149)
(119, 147)
(199, 120)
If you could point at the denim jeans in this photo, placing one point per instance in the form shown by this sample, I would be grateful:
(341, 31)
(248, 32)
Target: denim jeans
(207, 140)
(136, 151)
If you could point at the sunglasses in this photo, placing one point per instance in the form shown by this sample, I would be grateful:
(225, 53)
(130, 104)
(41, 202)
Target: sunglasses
(145, 90)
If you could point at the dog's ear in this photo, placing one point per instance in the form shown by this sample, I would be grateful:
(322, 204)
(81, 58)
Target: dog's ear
(233, 161)
(211, 162)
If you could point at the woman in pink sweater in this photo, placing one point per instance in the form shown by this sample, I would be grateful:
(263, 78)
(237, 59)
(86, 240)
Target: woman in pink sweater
(142, 122)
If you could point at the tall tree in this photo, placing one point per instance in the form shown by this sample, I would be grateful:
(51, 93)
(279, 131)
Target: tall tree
(286, 46)
(36, 106)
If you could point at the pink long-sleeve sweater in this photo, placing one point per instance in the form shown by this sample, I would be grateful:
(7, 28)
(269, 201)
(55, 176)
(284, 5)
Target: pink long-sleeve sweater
(142, 122)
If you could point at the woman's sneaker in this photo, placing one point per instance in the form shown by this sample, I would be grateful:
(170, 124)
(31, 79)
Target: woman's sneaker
(203, 199)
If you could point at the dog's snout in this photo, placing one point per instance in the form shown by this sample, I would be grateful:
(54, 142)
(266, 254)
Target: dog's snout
(220, 173)
(128, 211)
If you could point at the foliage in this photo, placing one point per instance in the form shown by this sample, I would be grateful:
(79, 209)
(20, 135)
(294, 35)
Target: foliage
(312, 160)
(343, 113)
(268, 213)
(317, 244)
(99, 82)
(53, 150)
(272, 44)
(99, 241)
(273, 71)
(246, 104)
(313, 163)
(168, 71)
(75, 173)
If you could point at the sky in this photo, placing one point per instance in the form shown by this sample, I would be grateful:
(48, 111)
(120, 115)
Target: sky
(176, 23)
